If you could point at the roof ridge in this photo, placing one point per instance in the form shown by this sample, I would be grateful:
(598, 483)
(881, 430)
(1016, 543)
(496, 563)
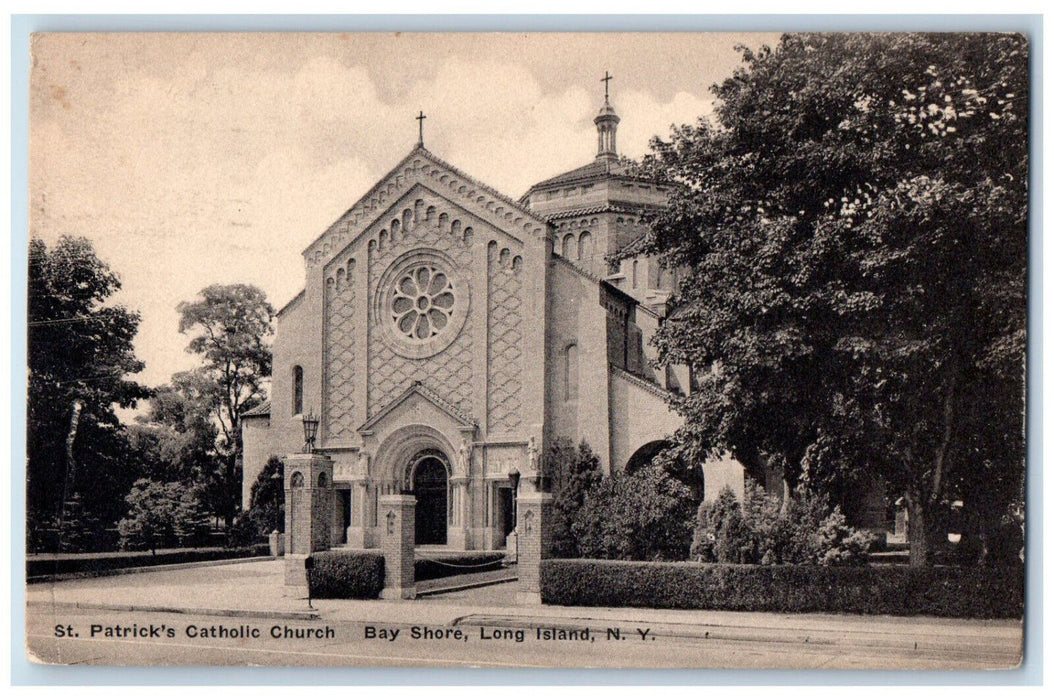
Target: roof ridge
(643, 383)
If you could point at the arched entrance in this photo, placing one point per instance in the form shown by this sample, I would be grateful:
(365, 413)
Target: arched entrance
(428, 476)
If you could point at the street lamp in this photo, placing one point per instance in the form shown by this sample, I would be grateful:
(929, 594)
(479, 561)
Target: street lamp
(310, 431)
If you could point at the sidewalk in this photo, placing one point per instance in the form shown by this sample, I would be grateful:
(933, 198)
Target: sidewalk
(254, 589)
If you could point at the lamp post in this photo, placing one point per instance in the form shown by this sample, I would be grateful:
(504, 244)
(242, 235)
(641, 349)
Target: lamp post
(311, 422)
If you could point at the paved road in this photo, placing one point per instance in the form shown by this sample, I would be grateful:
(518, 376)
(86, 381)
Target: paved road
(479, 641)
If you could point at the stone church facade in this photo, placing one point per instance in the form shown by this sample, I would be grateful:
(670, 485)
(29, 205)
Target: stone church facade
(447, 335)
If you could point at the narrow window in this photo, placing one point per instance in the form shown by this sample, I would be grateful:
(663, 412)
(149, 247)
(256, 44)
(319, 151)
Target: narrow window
(585, 246)
(298, 390)
(571, 372)
(569, 246)
(634, 274)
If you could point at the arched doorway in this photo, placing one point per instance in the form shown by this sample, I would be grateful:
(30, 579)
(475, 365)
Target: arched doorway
(428, 481)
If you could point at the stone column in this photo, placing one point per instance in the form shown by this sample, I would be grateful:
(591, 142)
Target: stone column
(534, 542)
(360, 515)
(457, 532)
(308, 515)
(397, 545)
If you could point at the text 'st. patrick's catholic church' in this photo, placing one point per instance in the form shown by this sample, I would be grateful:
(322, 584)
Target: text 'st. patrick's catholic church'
(447, 335)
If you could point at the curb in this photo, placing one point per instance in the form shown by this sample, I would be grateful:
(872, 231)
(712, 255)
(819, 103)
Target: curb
(73, 575)
(216, 612)
(465, 586)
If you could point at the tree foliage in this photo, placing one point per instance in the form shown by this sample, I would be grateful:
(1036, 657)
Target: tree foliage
(646, 515)
(80, 353)
(761, 531)
(163, 515)
(267, 499)
(573, 472)
(230, 327)
(853, 230)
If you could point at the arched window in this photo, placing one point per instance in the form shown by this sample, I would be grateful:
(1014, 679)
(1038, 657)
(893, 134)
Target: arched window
(571, 372)
(569, 246)
(635, 263)
(298, 390)
(585, 246)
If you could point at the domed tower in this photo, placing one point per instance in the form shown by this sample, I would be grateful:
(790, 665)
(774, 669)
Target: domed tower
(597, 209)
(607, 125)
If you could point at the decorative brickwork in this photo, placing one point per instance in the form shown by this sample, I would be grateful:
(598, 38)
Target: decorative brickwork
(308, 514)
(396, 516)
(534, 542)
(340, 355)
(448, 372)
(505, 336)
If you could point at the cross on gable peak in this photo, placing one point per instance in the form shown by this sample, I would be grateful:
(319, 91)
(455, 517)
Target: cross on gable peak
(420, 127)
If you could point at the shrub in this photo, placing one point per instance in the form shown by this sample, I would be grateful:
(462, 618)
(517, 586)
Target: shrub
(761, 531)
(645, 515)
(267, 499)
(346, 574)
(163, 515)
(879, 590)
(38, 566)
(441, 566)
(573, 473)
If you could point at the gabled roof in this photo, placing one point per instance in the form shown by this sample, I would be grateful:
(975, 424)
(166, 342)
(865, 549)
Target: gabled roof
(298, 297)
(422, 166)
(418, 388)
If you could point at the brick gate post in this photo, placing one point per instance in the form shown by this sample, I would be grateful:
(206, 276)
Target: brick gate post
(396, 519)
(308, 515)
(534, 537)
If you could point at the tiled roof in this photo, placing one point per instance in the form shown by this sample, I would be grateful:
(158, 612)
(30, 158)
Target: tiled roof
(263, 409)
(614, 206)
(598, 168)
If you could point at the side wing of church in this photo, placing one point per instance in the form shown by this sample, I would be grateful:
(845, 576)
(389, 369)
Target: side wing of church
(447, 334)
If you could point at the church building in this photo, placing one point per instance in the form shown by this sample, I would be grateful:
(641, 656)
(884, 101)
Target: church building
(448, 334)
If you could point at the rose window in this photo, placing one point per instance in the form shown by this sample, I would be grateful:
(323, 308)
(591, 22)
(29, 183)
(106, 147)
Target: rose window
(422, 303)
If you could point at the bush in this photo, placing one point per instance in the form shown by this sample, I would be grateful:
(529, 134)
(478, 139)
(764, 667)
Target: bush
(573, 473)
(878, 590)
(644, 515)
(441, 566)
(346, 574)
(761, 531)
(163, 515)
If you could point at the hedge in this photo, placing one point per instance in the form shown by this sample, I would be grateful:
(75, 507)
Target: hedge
(875, 590)
(43, 565)
(346, 574)
(438, 565)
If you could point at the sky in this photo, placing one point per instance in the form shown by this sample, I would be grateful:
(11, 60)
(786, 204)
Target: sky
(194, 159)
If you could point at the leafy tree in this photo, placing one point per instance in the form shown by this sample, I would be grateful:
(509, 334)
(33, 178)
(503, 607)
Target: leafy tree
(853, 235)
(641, 516)
(80, 353)
(176, 441)
(230, 327)
(267, 499)
(573, 472)
(162, 514)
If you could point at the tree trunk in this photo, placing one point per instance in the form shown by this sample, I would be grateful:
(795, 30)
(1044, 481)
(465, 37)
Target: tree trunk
(922, 530)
